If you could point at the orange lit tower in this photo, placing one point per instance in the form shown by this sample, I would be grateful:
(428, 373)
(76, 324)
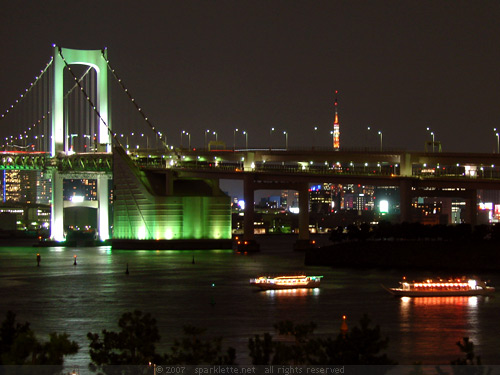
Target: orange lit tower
(336, 126)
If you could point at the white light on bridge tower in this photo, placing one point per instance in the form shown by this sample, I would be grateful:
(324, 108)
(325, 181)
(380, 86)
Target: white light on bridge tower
(336, 126)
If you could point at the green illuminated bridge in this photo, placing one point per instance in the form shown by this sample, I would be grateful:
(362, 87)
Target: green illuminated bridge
(170, 195)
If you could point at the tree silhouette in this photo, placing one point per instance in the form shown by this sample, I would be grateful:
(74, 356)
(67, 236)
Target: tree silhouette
(295, 346)
(133, 345)
(19, 346)
(192, 350)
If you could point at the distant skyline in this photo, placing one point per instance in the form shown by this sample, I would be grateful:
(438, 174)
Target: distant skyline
(399, 66)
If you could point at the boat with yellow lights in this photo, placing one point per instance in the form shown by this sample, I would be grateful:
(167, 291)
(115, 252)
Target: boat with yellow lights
(462, 286)
(286, 282)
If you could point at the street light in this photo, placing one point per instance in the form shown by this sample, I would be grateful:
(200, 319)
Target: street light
(332, 134)
(234, 139)
(380, 133)
(432, 133)
(314, 136)
(270, 134)
(498, 140)
(286, 140)
(366, 137)
(189, 138)
(147, 140)
(206, 132)
(215, 133)
(246, 139)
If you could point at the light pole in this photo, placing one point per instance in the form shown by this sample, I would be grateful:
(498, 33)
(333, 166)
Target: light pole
(286, 140)
(206, 132)
(380, 133)
(246, 138)
(498, 140)
(234, 139)
(270, 134)
(147, 140)
(331, 133)
(215, 133)
(366, 137)
(314, 136)
(189, 138)
(432, 133)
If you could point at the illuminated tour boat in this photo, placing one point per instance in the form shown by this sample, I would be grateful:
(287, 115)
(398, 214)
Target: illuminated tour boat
(435, 288)
(286, 282)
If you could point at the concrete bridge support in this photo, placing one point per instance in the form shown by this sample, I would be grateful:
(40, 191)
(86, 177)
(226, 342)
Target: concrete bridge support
(303, 242)
(103, 210)
(405, 199)
(472, 205)
(248, 243)
(57, 208)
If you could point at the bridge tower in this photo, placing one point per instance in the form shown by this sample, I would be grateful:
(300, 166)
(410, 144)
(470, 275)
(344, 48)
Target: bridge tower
(64, 57)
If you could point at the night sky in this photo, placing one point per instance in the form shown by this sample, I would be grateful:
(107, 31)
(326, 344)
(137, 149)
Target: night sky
(399, 66)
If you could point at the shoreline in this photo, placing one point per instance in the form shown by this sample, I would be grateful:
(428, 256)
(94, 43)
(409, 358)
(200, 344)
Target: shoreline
(456, 256)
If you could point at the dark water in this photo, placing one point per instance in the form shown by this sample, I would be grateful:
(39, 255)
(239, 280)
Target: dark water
(214, 293)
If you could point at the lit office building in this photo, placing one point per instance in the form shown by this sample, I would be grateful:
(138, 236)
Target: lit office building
(86, 188)
(11, 184)
(289, 199)
(28, 186)
(44, 188)
(320, 199)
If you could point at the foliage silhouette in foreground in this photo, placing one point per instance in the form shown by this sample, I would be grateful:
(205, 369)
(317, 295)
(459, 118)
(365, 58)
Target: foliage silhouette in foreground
(19, 346)
(135, 344)
(295, 346)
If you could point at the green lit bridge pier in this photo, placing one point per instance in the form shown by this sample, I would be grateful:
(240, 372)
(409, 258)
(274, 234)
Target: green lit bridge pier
(158, 209)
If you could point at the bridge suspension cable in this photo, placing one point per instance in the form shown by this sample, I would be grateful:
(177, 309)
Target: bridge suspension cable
(31, 86)
(36, 98)
(139, 109)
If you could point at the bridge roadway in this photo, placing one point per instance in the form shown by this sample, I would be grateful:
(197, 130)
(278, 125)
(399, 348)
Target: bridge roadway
(403, 163)
(417, 174)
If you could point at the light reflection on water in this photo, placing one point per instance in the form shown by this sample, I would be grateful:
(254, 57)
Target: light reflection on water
(451, 318)
(214, 293)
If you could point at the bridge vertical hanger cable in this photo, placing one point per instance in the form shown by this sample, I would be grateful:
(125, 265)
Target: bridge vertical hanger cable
(43, 73)
(139, 109)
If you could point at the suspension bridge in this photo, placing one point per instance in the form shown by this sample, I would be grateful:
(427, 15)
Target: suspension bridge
(67, 129)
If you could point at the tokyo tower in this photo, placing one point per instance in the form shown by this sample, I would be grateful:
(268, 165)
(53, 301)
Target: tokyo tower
(336, 126)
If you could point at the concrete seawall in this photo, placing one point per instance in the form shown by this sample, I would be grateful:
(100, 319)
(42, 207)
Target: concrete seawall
(454, 256)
